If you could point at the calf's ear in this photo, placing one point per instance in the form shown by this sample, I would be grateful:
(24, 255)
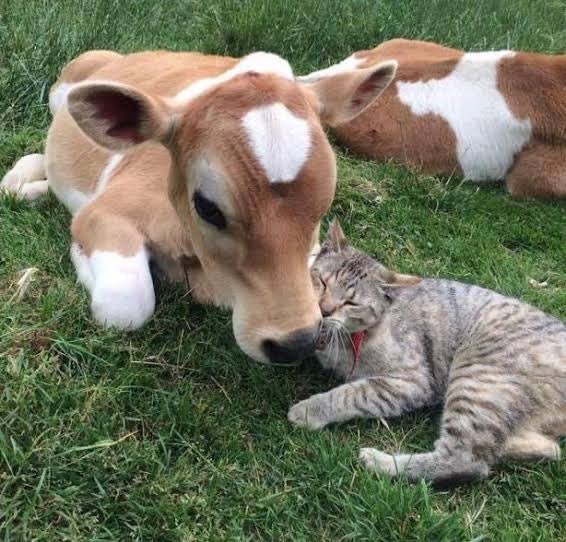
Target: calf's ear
(345, 95)
(119, 116)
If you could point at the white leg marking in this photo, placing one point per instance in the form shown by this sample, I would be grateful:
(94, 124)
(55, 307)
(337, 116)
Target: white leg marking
(82, 267)
(259, 62)
(488, 134)
(34, 190)
(28, 168)
(348, 64)
(121, 287)
(280, 141)
(27, 178)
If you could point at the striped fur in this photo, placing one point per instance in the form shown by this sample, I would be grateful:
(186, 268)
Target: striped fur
(496, 364)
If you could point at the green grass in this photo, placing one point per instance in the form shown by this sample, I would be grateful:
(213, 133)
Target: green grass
(171, 433)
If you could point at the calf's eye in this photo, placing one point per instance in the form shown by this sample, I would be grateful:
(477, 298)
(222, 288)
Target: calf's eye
(209, 211)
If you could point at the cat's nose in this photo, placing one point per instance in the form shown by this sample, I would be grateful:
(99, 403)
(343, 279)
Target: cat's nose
(294, 347)
(326, 311)
(327, 308)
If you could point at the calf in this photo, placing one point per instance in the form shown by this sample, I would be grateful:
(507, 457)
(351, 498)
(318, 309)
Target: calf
(216, 168)
(487, 116)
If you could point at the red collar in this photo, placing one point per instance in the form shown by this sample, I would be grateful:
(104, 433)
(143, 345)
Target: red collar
(357, 338)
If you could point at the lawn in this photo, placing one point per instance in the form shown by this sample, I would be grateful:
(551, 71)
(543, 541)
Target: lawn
(171, 433)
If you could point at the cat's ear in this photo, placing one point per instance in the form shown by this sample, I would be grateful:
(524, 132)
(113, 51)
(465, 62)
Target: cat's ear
(335, 238)
(392, 280)
(398, 279)
(393, 283)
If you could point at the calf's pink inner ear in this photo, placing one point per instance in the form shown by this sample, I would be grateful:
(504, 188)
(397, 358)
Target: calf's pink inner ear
(118, 116)
(346, 95)
(123, 114)
(373, 86)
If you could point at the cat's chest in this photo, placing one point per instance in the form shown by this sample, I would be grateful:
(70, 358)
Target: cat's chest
(354, 359)
(372, 361)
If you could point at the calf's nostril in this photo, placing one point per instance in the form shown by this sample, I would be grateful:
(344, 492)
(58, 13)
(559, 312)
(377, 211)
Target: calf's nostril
(294, 347)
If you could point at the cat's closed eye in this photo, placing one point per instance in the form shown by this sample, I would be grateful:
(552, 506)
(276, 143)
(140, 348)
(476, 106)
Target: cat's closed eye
(318, 282)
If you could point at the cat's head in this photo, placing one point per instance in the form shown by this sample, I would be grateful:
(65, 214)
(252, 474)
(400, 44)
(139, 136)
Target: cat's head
(354, 290)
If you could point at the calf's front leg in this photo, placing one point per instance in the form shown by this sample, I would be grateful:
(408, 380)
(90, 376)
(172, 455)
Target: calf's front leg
(112, 262)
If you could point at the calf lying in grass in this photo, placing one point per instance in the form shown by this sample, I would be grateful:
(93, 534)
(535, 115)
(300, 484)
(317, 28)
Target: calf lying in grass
(487, 116)
(216, 169)
(498, 365)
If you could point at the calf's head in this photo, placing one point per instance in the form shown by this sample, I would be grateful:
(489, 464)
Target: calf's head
(252, 174)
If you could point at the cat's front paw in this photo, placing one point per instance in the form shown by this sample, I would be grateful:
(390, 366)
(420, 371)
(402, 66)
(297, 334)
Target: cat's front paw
(378, 461)
(308, 413)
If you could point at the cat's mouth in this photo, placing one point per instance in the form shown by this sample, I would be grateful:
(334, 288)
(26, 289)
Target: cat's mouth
(325, 337)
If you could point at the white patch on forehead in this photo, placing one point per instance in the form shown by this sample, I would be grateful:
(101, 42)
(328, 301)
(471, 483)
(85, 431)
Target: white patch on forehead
(279, 140)
(488, 134)
(351, 63)
(259, 62)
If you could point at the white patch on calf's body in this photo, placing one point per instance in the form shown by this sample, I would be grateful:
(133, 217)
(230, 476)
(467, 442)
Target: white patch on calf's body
(280, 141)
(488, 134)
(70, 197)
(74, 200)
(348, 64)
(107, 172)
(259, 62)
(121, 287)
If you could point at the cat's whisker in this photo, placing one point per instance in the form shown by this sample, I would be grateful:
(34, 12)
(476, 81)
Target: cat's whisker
(337, 328)
(335, 347)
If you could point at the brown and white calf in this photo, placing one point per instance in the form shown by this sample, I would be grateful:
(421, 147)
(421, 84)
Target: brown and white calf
(487, 116)
(211, 166)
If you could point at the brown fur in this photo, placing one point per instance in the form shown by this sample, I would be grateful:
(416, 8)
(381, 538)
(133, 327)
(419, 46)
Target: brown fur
(387, 129)
(533, 86)
(127, 104)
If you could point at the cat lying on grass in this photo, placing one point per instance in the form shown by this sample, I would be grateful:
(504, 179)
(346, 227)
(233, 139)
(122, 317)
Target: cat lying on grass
(402, 343)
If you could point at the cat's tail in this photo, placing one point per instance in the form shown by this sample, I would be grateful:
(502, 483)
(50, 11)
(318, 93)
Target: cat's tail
(438, 467)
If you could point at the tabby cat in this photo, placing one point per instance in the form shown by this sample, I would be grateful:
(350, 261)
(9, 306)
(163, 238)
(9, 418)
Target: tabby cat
(497, 365)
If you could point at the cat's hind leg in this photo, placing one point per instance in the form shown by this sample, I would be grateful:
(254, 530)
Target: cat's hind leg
(531, 445)
(483, 408)
(439, 467)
